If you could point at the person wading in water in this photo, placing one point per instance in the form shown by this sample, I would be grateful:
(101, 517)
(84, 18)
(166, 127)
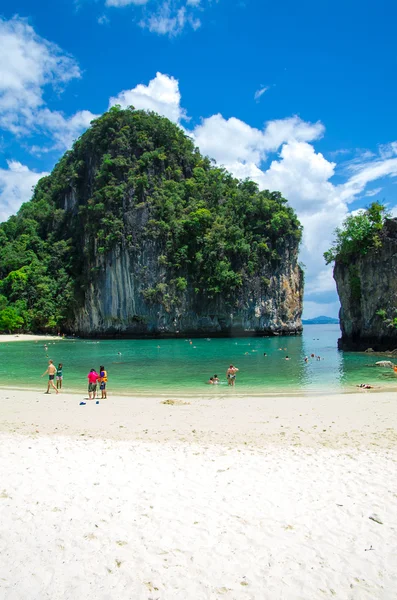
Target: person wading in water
(231, 375)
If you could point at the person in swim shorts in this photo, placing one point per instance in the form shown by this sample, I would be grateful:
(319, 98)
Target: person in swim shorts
(231, 375)
(51, 376)
(59, 376)
(92, 383)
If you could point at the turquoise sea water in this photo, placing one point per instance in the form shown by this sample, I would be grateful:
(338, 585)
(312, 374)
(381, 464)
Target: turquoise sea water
(181, 367)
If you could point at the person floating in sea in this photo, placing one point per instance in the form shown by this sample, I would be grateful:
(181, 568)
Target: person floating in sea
(215, 379)
(231, 375)
(102, 380)
(51, 375)
(59, 376)
(92, 383)
(365, 386)
(210, 381)
(287, 357)
(306, 359)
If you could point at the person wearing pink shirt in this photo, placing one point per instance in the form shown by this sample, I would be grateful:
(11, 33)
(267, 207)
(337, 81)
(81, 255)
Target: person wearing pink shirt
(92, 383)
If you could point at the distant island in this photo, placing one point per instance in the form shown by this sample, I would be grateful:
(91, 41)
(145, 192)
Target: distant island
(322, 320)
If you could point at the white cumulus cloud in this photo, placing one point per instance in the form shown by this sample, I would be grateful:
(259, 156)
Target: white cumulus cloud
(29, 65)
(16, 185)
(233, 140)
(161, 95)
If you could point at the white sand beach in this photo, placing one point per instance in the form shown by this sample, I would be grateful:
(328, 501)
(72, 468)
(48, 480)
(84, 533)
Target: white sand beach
(26, 337)
(207, 498)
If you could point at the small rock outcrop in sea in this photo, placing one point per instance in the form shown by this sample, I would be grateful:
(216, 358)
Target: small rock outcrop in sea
(135, 233)
(367, 288)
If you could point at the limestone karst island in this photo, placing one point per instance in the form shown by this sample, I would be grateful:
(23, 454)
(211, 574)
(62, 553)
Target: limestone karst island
(365, 271)
(135, 233)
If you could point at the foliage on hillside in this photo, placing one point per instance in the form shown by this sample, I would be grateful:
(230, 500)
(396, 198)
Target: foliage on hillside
(215, 231)
(358, 235)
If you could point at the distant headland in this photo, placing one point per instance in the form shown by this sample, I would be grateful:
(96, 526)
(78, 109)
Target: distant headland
(322, 320)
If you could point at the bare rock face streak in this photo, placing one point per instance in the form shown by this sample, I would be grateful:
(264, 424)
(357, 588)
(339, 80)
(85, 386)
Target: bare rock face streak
(115, 302)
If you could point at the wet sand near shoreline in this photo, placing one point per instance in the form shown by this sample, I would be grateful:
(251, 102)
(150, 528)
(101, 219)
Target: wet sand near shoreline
(325, 420)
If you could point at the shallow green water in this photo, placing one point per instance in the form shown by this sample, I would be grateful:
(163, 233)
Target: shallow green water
(147, 366)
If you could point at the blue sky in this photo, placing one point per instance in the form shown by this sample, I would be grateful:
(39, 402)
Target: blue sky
(299, 96)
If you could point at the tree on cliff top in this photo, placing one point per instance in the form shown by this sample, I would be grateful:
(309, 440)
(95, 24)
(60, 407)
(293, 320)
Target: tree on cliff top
(359, 234)
(132, 178)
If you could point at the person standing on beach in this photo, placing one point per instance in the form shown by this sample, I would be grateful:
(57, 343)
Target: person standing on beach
(102, 380)
(51, 376)
(59, 376)
(231, 375)
(92, 383)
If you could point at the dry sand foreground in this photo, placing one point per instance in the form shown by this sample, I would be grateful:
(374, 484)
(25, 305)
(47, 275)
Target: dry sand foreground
(223, 498)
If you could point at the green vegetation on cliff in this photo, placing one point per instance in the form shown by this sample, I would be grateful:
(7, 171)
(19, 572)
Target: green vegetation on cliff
(359, 234)
(135, 178)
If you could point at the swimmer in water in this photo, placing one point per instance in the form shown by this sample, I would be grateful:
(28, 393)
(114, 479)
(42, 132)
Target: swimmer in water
(215, 379)
(287, 357)
(210, 381)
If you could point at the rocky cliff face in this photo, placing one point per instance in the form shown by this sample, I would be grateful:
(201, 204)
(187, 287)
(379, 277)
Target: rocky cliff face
(367, 289)
(116, 303)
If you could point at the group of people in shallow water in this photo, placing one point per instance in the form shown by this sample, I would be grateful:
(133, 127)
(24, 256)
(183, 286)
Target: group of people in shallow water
(94, 378)
(230, 376)
(232, 370)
